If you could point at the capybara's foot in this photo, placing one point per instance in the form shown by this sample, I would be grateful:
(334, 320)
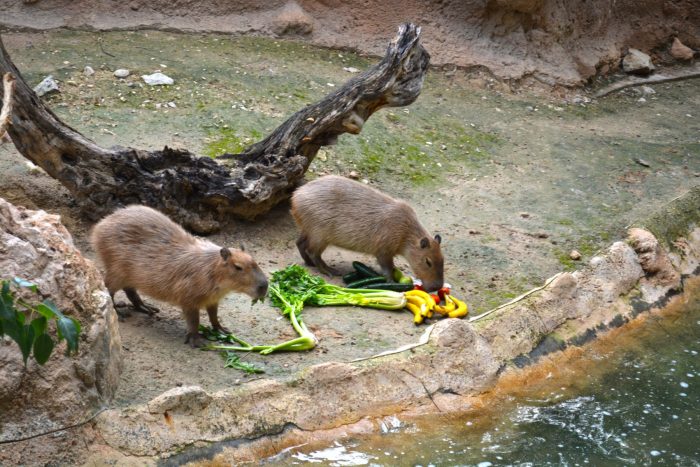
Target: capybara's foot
(195, 340)
(150, 310)
(221, 328)
(123, 310)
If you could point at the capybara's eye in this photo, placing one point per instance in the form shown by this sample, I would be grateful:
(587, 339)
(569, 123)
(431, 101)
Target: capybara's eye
(428, 262)
(238, 267)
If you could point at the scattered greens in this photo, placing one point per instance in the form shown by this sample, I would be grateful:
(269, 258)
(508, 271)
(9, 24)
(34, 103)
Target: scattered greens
(234, 361)
(292, 288)
(33, 338)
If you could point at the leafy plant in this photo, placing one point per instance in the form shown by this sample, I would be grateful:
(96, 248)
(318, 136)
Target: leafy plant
(27, 323)
(234, 361)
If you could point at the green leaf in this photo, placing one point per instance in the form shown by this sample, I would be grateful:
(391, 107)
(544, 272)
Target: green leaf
(48, 309)
(26, 284)
(25, 341)
(11, 328)
(7, 310)
(234, 361)
(43, 346)
(39, 325)
(68, 329)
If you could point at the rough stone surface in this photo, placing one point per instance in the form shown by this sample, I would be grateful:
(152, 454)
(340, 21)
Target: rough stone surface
(35, 245)
(681, 51)
(292, 20)
(47, 86)
(583, 297)
(653, 259)
(158, 79)
(121, 73)
(637, 62)
(455, 360)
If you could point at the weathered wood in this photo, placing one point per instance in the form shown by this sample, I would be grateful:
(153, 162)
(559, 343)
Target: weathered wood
(197, 191)
(8, 83)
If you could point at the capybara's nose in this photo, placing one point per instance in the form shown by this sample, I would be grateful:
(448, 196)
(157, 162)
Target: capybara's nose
(262, 289)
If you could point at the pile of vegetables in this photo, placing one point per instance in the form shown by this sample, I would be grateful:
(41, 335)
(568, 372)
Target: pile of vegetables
(422, 304)
(292, 288)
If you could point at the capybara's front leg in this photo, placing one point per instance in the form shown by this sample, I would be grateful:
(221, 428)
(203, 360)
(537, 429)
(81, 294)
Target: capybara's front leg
(213, 312)
(386, 262)
(193, 337)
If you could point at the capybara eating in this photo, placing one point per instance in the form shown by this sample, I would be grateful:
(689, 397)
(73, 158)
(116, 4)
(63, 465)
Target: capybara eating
(334, 210)
(143, 250)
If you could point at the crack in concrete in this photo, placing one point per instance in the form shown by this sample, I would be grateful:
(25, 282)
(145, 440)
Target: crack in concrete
(428, 393)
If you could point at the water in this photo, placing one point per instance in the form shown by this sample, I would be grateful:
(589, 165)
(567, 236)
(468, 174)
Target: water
(631, 398)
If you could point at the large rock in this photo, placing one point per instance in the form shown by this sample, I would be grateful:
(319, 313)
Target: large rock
(35, 245)
(637, 62)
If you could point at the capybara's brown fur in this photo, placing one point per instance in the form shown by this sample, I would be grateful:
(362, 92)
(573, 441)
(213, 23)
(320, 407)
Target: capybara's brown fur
(337, 211)
(143, 250)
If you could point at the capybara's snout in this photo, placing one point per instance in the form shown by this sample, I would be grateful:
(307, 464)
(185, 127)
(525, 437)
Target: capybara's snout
(262, 289)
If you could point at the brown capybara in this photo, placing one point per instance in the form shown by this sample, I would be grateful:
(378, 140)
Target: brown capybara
(143, 250)
(338, 211)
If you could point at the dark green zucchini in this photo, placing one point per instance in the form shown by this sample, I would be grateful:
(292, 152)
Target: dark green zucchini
(352, 277)
(366, 282)
(393, 286)
(364, 269)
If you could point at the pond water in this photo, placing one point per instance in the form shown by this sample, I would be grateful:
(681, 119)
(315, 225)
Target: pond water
(630, 398)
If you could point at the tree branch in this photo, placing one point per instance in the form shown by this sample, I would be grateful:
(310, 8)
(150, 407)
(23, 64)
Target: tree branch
(197, 191)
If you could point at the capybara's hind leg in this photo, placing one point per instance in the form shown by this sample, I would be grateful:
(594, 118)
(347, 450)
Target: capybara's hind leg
(303, 245)
(123, 310)
(213, 312)
(139, 305)
(193, 337)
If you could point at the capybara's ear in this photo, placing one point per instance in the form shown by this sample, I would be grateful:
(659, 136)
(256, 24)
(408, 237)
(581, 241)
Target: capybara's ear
(225, 253)
(438, 239)
(424, 242)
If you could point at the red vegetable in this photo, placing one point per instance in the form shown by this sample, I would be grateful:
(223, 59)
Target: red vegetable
(445, 290)
(436, 298)
(418, 287)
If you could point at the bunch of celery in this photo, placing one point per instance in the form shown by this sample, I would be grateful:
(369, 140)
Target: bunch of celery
(293, 287)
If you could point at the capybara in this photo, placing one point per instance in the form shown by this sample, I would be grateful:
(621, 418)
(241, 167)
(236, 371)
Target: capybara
(334, 210)
(143, 250)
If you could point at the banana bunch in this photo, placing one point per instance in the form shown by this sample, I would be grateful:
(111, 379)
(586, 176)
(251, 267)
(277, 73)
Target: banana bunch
(423, 305)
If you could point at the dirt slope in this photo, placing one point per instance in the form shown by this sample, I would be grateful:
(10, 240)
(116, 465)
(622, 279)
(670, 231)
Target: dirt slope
(553, 41)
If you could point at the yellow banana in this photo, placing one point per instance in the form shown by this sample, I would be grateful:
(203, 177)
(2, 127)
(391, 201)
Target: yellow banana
(416, 300)
(461, 310)
(420, 293)
(447, 308)
(417, 316)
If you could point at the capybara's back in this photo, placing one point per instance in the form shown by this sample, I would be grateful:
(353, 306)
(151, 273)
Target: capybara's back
(352, 215)
(137, 246)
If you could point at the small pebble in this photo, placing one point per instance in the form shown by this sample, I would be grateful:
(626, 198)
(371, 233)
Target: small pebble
(575, 255)
(354, 175)
(88, 71)
(121, 73)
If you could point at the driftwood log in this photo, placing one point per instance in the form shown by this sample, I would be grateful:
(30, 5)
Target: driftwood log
(199, 192)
